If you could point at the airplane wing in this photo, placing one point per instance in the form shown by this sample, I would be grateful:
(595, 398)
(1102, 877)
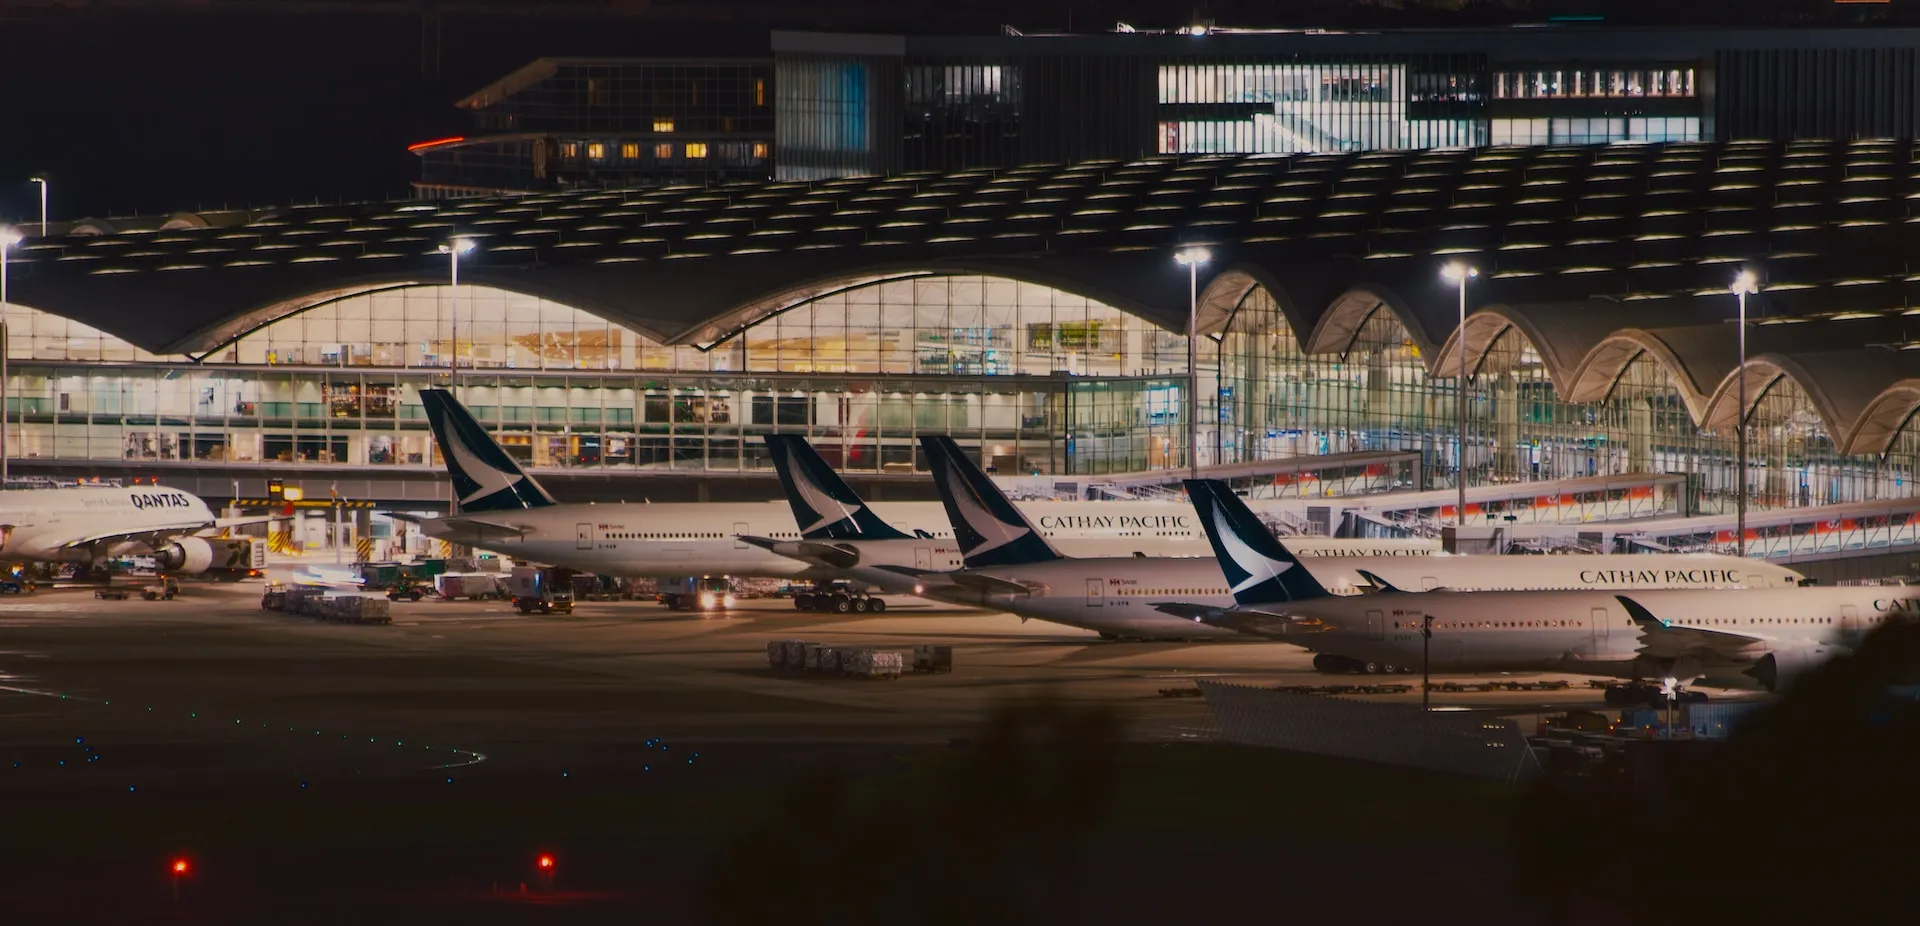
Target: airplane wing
(1661, 639)
(1246, 620)
(996, 586)
(484, 526)
(146, 532)
(833, 555)
(1194, 612)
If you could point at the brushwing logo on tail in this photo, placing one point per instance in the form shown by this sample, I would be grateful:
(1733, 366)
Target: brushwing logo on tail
(993, 532)
(1258, 568)
(826, 508)
(489, 479)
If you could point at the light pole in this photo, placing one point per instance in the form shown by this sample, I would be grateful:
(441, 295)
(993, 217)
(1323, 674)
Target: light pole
(1743, 284)
(43, 203)
(453, 249)
(1191, 257)
(1426, 659)
(1459, 273)
(9, 236)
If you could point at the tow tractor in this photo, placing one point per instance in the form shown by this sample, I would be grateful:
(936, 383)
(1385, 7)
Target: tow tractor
(838, 596)
(407, 588)
(166, 588)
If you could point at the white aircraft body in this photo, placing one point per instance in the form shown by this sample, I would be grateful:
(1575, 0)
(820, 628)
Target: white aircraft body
(505, 510)
(1770, 634)
(1009, 567)
(90, 525)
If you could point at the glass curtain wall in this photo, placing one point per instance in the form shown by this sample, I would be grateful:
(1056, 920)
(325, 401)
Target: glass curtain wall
(1039, 380)
(1287, 108)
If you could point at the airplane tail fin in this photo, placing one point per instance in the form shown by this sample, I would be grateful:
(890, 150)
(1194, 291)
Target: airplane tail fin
(1257, 565)
(991, 532)
(1379, 583)
(823, 504)
(484, 477)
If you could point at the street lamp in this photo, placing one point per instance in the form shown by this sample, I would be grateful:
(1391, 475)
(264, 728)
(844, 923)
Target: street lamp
(1459, 273)
(1426, 653)
(453, 249)
(1743, 284)
(9, 236)
(43, 203)
(1191, 257)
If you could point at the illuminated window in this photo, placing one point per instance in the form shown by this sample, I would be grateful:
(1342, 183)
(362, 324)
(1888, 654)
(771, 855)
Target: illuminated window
(760, 92)
(663, 123)
(597, 151)
(759, 149)
(570, 149)
(663, 152)
(630, 151)
(696, 149)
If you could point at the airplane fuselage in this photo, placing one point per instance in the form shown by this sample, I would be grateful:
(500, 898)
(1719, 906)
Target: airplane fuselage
(1580, 631)
(668, 540)
(58, 525)
(1117, 595)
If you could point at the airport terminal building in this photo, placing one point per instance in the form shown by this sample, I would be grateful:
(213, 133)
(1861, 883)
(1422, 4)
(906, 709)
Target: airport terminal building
(1035, 313)
(1017, 288)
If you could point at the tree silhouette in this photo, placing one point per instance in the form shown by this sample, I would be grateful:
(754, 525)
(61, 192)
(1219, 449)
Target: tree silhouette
(992, 832)
(1803, 814)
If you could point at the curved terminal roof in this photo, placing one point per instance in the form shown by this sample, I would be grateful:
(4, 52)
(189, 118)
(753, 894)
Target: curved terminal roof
(1597, 255)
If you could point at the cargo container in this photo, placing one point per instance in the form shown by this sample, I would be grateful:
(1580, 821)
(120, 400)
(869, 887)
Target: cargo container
(541, 589)
(474, 586)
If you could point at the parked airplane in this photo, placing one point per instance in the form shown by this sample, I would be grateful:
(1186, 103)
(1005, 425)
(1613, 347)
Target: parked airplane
(91, 525)
(1770, 634)
(856, 544)
(504, 509)
(1009, 567)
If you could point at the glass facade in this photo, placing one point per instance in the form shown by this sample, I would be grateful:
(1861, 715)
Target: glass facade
(1300, 108)
(1039, 380)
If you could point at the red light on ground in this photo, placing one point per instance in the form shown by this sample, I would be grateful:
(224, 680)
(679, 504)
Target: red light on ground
(179, 866)
(545, 863)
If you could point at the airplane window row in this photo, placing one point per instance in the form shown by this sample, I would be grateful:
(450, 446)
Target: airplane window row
(1151, 592)
(1487, 625)
(661, 536)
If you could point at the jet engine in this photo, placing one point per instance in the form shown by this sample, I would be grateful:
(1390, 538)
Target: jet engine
(1779, 668)
(185, 554)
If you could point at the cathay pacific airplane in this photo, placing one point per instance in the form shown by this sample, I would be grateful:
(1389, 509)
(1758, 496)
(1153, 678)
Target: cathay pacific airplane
(504, 509)
(91, 525)
(1770, 634)
(857, 545)
(1010, 567)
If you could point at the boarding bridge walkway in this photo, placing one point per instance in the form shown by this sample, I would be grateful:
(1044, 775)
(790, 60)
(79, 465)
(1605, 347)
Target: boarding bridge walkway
(1516, 507)
(1786, 535)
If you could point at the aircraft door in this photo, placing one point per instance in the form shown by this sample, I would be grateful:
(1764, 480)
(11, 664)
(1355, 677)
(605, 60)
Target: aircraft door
(1376, 625)
(739, 527)
(1096, 593)
(1429, 583)
(1849, 619)
(923, 559)
(1600, 621)
(582, 536)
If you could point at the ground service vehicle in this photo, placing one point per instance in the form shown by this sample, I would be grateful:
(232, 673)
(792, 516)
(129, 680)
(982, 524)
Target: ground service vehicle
(164, 590)
(546, 591)
(705, 593)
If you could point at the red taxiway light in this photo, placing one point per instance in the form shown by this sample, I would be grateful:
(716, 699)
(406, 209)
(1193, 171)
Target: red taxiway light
(179, 866)
(545, 862)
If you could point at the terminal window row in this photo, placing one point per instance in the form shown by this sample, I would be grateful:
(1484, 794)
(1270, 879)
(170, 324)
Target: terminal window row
(1593, 83)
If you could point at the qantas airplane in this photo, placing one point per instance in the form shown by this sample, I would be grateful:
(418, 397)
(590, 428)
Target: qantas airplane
(855, 544)
(90, 525)
(1010, 567)
(502, 508)
(1681, 634)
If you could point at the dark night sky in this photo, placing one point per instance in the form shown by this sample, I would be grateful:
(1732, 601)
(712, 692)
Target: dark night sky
(152, 113)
